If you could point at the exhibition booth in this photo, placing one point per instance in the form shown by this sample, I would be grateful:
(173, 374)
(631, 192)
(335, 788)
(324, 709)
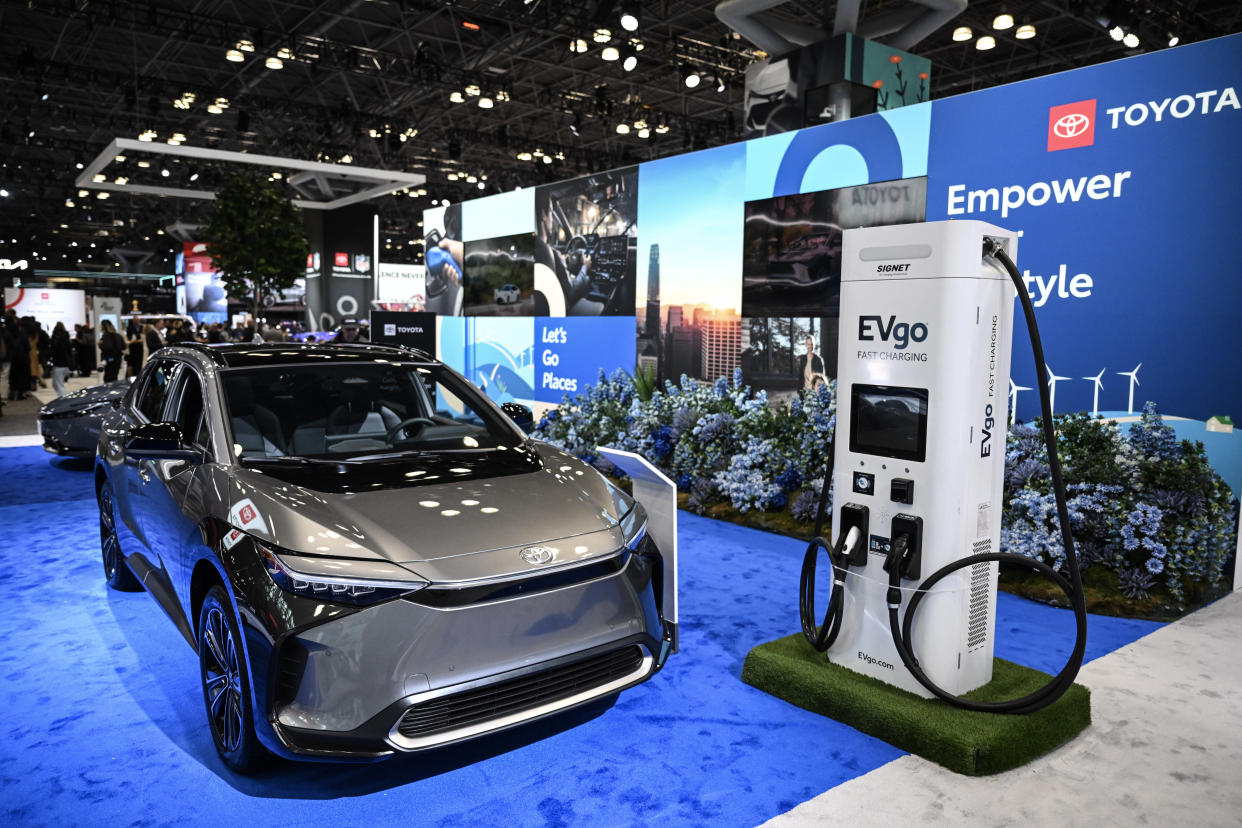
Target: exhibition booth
(726, 334)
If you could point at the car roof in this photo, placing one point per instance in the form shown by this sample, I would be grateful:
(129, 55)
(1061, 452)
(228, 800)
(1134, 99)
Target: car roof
(249, 355)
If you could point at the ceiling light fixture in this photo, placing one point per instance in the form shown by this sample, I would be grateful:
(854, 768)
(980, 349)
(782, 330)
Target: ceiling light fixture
(692, 80)
(963, 33)
(630, 62)
(1174, 40)
(623, 128)
(578, 45)
(473, 90)
(245, 45)
(610, 53)
(1117, 33)
(602, 35)
(1131, 40)
(274, 62)
(456, 97)
(629, 20)
(234, 56)
(1025, 32)
(1002, 21)
(986, 42)
(486, 102)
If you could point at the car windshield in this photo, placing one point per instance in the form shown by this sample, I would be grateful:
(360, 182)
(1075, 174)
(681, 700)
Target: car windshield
(357, 412)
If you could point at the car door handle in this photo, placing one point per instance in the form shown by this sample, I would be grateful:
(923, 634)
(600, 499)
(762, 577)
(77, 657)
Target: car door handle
(144, 476)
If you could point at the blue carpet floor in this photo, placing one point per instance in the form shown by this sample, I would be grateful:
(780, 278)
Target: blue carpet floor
(104, 722)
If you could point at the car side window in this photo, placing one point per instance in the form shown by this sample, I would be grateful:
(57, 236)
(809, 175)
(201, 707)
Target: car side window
(190, 414)
(155, 391)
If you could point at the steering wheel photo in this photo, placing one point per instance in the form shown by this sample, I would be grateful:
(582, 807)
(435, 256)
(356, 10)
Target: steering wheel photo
(406, 423)
(574, 250)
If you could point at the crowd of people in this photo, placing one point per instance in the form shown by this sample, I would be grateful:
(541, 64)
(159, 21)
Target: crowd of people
(30, 356)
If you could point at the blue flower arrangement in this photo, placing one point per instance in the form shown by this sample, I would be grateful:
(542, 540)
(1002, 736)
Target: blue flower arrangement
(1143, 505)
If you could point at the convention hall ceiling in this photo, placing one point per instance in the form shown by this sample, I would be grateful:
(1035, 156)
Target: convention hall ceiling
(404, 86)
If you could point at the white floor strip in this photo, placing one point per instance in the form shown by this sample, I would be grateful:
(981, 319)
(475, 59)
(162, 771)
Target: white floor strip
(1165, 748)
(21, 440)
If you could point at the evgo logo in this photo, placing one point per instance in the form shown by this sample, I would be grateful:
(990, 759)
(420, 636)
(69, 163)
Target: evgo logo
(1071, 125)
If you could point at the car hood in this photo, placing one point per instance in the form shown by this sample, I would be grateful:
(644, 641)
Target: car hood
(460, 530)
(86, 397)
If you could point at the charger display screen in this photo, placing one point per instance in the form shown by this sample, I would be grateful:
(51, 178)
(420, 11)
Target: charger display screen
(889, 421)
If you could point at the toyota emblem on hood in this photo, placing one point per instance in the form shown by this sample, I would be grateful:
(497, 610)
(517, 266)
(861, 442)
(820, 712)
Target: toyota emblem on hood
(536, 554)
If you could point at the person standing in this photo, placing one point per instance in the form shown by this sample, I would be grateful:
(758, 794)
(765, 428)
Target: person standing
(112, 349)
(152, 339)
(133, 358)
(39, 343)
(812, 373)
(61, 355)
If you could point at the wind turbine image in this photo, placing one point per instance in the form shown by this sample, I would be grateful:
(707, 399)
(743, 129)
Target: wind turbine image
(1095, 401)
(1133, 375)
(1053, 379)
(1013, 400)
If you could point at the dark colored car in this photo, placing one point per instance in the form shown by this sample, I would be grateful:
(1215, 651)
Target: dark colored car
(368, 555)
(70, 424)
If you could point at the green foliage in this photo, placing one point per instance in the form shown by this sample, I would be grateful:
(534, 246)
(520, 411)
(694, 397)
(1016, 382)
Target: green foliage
(645, 382)
(255, 238)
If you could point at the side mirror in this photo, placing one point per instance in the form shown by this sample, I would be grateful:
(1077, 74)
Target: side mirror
(160, 441)
(521, 415)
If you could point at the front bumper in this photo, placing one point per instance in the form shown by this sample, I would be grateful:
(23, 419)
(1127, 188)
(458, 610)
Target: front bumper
(342, 689)
(70, 436)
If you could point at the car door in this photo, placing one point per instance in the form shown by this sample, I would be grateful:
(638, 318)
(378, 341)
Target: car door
(148, 406)
(173, 501)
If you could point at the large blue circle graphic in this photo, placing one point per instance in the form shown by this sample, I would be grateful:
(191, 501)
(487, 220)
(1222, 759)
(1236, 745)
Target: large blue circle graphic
(872, 137)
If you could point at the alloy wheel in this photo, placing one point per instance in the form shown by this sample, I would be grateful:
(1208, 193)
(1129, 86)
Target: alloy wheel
(108, 542)
(222, 680)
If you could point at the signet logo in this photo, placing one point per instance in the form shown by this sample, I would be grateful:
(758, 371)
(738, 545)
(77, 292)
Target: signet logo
(1071, 125)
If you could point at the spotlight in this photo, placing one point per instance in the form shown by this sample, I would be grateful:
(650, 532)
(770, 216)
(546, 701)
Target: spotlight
(692, 79)
(194, 176)
(576, 126)
(610, 53)
(986, 42)
(1131, 40)
(165, 173)
(1025, 32)
(629, 20)
(720, 84)
(631, 61)
(1174, 40)
(1117, 33)
(962, 33)
(1002, 21)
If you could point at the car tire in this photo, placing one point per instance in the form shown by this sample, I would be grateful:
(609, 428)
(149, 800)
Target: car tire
(116, 571)
(226, 685)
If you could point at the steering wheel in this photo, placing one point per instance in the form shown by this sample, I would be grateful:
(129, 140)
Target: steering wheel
(392, 432)
(574, 250)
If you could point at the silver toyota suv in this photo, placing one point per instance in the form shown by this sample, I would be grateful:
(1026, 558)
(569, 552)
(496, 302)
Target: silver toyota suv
(368, 554)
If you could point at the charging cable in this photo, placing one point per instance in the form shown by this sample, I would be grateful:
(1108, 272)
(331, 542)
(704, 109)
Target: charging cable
(1072, 586)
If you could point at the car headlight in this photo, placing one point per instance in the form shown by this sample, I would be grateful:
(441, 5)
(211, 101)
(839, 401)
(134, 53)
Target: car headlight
(325, 579)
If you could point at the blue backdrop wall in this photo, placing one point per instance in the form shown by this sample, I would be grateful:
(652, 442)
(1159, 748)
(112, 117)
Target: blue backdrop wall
(1122, 178)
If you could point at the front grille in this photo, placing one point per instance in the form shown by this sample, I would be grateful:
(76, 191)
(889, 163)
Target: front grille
(505, 698)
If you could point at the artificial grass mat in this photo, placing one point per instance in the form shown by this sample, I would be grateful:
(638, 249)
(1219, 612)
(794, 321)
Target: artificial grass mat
(975, 744)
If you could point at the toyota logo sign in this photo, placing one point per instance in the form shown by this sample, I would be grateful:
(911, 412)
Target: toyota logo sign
(536, 555)
(1071, 125)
